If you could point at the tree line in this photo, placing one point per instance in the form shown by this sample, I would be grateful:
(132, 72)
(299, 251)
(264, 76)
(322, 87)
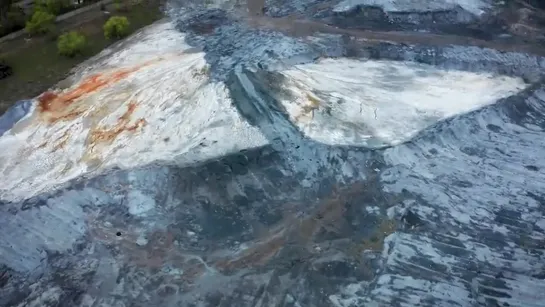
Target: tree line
(14, 15)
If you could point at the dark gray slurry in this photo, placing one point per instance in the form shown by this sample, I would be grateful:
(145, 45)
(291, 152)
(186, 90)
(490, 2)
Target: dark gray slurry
(14, 114)
(455, 217)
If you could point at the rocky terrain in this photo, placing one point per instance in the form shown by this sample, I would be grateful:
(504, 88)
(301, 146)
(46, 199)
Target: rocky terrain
(287, 153)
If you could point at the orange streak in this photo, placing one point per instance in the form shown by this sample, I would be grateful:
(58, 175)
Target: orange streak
(58, 106)
(105, 135)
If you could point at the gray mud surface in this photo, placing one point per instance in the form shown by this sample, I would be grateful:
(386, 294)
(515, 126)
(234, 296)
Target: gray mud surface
(453, 217)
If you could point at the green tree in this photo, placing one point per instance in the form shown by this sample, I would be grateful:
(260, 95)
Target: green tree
(71, 44)
(40, 23)
(116, 27)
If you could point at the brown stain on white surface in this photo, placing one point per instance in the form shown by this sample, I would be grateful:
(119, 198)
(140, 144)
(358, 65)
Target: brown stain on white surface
(61, 141)
(123, 124)
(101, 135)
(63, 107)
(307, 109)
(68, 105)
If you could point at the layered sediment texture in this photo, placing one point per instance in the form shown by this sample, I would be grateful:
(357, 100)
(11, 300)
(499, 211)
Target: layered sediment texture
(278, 157)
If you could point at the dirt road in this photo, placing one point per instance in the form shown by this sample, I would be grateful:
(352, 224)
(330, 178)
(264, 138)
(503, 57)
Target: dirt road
(299, 26)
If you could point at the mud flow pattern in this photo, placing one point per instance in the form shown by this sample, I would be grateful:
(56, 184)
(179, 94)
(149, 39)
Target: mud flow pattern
(286, 153)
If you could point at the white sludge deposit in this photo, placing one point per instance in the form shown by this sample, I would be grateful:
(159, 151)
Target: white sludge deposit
(380, 103)
(151, 101)
(476, 7)
(223, 159)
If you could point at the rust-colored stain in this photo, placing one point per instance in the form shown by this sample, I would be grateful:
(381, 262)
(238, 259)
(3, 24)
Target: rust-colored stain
(107, 135)
(42, 145)
(308, 108)
(376, 241)
(329, 216)
(62, 140)
(256, 256)
(59, 106)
